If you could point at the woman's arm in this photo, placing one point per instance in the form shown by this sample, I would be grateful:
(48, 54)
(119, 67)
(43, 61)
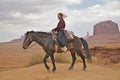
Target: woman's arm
(61, 25)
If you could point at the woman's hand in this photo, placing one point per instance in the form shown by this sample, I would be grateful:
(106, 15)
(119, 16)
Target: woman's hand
(53, 30)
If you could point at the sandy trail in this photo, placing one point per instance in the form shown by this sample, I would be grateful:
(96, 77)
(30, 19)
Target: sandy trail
(38, 72)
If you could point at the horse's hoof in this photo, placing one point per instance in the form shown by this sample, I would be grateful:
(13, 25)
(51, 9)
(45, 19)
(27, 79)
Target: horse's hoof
(53, 71)
(70, 68)
(84, 69)
(48, 70)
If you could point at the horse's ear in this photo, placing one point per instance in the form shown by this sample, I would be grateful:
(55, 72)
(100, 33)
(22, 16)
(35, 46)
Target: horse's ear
(27, 33)
(31, 31)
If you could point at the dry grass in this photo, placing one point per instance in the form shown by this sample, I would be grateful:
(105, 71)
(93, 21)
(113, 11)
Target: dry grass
(38, 59)
(60, 58)
(35, 59)
(79, 60)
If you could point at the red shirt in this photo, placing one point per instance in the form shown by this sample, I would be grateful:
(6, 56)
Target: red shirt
(60, 25)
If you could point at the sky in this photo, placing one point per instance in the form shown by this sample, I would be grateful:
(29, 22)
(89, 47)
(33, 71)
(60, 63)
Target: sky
(19, 16)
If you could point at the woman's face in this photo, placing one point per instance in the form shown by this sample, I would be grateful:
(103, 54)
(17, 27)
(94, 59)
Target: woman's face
(59, 16)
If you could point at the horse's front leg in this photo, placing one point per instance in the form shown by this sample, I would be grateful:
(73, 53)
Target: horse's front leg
(53, 62)
(73, 59)
(44, 60)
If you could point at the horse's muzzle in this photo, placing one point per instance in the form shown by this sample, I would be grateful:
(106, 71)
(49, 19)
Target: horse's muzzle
(24, 47)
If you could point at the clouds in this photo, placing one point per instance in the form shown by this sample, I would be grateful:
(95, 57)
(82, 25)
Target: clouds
(82, 20)
(18, 16)
(15, 9)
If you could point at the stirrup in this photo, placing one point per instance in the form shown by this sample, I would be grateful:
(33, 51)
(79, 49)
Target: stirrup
(64, 49)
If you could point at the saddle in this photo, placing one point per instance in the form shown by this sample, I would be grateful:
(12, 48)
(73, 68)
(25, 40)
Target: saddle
(68, 34)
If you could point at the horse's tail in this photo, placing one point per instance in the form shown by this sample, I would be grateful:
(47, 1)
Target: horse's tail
(88, 54)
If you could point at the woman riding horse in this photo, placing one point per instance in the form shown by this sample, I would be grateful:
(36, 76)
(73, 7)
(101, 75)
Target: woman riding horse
(61, 38)
(47, 42)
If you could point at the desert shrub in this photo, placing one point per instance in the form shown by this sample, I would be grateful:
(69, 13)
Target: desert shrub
(94, 59)
(35, 59)
(78, 59)
(61, 59)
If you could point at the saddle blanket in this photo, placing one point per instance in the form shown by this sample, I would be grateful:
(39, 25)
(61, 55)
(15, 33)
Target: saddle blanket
(69, 34)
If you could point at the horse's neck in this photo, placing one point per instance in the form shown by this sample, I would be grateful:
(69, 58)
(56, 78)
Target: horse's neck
(40, 38)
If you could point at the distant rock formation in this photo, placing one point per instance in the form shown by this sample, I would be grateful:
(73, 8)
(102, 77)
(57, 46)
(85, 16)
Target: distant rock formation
(15, 41)
(106, 27)
(105, 32)
(87, 36)
(19, 40)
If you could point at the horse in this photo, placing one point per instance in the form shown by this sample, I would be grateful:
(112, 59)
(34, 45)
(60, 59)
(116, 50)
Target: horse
(47, 42)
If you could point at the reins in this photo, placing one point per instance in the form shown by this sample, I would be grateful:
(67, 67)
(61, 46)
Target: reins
(33, 45)
(36, 43)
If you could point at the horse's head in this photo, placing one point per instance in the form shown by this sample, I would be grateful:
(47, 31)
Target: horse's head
(28, 40)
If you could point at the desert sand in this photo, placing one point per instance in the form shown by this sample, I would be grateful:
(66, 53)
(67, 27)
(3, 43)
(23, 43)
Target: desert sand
(38, 72)
(13, 60)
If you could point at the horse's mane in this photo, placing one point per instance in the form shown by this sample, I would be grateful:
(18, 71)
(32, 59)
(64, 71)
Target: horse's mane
(42, 32)
(47, 33)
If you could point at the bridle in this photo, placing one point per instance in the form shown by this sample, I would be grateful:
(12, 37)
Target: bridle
(30, 40)
(35, 43)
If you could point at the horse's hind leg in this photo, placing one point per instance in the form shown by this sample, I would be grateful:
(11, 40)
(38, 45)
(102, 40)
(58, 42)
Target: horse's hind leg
(53, 62)
(83, 59)
(73, 59)
(44, 60)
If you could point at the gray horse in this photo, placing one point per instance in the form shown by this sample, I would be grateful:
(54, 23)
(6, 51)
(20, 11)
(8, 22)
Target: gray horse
(48, 43)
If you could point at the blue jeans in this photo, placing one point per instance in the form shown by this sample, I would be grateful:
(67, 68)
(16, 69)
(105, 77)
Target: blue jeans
(61, 38)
